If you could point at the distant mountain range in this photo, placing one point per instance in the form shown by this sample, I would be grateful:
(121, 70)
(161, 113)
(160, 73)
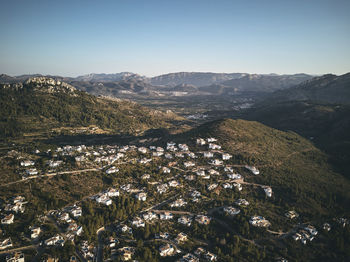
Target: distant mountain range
(179, 84)
(318, 109)
(325, 89)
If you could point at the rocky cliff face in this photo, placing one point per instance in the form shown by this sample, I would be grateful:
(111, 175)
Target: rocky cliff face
(49, 85)
(42, 84)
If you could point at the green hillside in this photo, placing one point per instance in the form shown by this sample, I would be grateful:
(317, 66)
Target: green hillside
(44, 106)
(298, 171)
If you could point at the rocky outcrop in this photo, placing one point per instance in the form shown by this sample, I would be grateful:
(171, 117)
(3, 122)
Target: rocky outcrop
(49, 85)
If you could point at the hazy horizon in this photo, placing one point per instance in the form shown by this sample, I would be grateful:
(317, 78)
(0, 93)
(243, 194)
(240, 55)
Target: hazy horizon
(158, 37)
(150, 76)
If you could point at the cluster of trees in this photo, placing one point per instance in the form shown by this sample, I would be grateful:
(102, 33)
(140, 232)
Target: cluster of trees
(64, 109)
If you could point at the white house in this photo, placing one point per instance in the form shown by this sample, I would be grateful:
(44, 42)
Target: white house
(112, 170)
(242, 202)
(35, 232)
(234, 176)
(142, 196)
(162, 188)
(157, 153)
(7, 220)
(238, 186)
(208, 154)
(227, 185)
(166, 250)
(6, 243)
(15, 257)
(268, 191)
(145, 176)
(185, 220)
(214, 146)
(253, 169)
(178, 203)
(56, 240)
(27, 163)
(232, 211)
(259, 221)
(142, 150)
(32, 171)
(174, 183)
(138, 222)
(166, 216)
(212, 186)
(149, 216)
(200, 141)
(203, 220)
(189, 164)
(168, 156)
(226, 156)
(216, 162)
(54, 164)
(166, 170)
(104, 199)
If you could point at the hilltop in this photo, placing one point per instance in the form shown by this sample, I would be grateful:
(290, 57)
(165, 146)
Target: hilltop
(47, 105)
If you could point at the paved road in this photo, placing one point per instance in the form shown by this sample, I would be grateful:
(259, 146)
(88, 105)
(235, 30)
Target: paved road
(18, 249)
(51, 175)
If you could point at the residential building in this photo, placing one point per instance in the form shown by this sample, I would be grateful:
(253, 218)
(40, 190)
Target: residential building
(6, 243)
(189, 164)
(212, 186)
(238, 186)
(214, 146)
(103, 199)
(56, 240)
(142, 196)
(326, 226)
(268, 191)
(232, 211)
(178, 203)
(35, 232)
(253, 169)
(226, 156)
(112, 170)
(138, 222)
(185, 220)
(183, 147)
(291, 214)
(259, 221)
(203, 220)
(166, 250)
(181, 237)
(234, 176)
(7, 220)
(200, 141)
(242, 202)
(208, 154)
(166, 216)
(26, 163)
(162, 188)
(15, 257)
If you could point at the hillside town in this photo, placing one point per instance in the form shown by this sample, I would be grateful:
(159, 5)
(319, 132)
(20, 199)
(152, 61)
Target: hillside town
(175, 198)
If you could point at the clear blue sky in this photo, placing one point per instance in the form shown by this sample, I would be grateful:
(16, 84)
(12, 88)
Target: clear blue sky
(153, 37)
